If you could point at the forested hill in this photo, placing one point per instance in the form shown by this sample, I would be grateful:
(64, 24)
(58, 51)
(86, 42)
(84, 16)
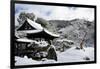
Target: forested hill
(75, 30)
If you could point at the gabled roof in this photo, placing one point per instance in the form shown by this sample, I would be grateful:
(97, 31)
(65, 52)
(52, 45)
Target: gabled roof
(38, 29)
(30, 23)
(25, 26)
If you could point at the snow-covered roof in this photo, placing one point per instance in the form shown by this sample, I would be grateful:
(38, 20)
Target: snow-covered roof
(38, 28)
(34, 24)
(41, 43)
(31, 31)
(50, 33)
(25, 40)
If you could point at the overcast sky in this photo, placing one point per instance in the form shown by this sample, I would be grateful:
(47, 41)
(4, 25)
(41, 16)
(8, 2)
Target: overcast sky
(56, 12)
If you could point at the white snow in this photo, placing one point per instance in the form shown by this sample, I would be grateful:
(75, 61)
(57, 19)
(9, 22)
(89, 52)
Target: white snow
(34, 24)
(24, 61)
(30, 61)
(70, 55)
(25, 40)
(55, 35)
(31, 31)
(61, 40)
(42, 43)
(74, 55)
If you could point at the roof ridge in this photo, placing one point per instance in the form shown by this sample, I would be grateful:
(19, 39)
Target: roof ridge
(34, 24)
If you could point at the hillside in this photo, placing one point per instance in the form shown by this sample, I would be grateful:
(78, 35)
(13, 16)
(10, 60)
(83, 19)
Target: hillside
(75, 29)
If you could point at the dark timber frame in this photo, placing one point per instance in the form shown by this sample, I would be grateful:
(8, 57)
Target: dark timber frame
(12, 65)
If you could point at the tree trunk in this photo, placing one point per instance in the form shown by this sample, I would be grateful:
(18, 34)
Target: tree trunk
(81, 44)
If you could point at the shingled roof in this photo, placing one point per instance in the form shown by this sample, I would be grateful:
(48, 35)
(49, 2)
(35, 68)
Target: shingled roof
(38, 29)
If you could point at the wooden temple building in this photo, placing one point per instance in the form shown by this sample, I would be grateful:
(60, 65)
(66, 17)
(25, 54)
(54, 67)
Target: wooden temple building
(30, 30)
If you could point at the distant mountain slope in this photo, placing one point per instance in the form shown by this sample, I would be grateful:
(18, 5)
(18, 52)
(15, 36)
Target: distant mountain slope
(59, 23)
(75, 30)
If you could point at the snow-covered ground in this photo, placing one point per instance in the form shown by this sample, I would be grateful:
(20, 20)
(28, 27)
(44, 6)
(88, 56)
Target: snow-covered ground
(70, 55)
(74, 55)
(30, 61)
